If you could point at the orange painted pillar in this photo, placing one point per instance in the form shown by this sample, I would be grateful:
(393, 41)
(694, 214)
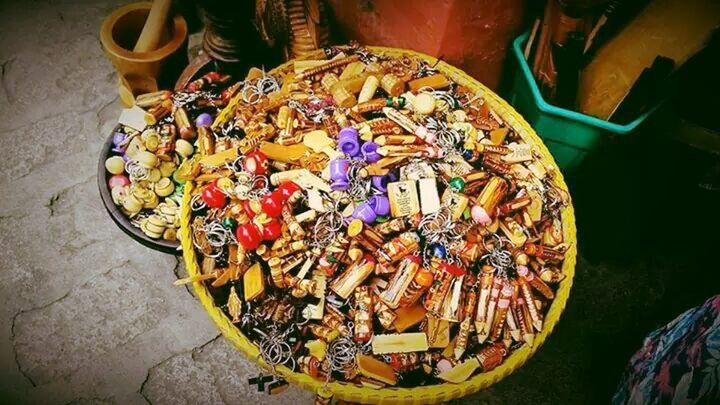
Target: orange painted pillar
(473, 35)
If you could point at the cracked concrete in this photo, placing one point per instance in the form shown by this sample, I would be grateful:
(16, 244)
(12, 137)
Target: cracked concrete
(88, 316)
(220, 373)
(86, 311)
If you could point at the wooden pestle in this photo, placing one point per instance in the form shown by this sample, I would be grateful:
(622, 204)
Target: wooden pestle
(148, 41)
(154, 26)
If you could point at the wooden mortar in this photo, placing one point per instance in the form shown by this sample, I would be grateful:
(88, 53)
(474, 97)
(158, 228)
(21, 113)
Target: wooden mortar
(140, 72)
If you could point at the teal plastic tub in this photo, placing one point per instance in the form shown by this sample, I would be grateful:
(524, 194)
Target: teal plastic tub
(569, 135)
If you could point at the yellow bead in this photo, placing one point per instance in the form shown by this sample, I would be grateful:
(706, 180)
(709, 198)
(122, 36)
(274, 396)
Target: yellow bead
(132, 204)
(164, 187)
(355, 227)
(167, 168)
(152, 141)
(225, 184)
(115, 165)
(184, 148)
(146, 159)
(424, 103)
(154, 175)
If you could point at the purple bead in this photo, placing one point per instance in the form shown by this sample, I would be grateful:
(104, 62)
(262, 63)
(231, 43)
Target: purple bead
(365, 213)
(339, 185)
(348, 141)
(349, 131)
(380, 204)
(118, 138)
(380, 182)
(126, 157)
(204, 120)
(369, 150)
(338, 174)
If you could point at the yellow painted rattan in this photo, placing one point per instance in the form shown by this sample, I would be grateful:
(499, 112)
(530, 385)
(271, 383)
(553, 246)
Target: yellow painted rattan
(426, 394)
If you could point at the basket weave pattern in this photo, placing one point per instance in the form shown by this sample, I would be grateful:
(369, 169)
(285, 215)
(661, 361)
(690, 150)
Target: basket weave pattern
(426, 394)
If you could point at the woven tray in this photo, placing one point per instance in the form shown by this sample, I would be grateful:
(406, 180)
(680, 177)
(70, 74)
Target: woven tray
(427, 394)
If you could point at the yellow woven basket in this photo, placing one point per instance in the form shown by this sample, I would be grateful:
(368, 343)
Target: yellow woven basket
(418, 395)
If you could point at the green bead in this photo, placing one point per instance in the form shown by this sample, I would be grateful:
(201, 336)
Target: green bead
(175, 179)
(457, 184)
(389, 102)
(177, 195)
(380, 219)
(401, 101)
(229, 223)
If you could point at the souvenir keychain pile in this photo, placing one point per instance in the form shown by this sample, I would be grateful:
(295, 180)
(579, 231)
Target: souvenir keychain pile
(150, 145)
(364, 219)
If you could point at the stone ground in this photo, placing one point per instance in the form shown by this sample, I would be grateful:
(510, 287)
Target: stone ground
(90, 316)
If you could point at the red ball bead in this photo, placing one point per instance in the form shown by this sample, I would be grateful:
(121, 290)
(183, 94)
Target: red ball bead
(248, 236)
(256, 162)
(287, 189)
(118, 180)
(213, 196)
(272, 204)
(272, 230)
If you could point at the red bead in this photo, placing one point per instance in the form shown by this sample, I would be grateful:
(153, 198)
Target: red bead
(287, 189)
(453, 269)
(272, 204)
(248, 235)
(118, 180)
(272, 230)
(256, 162)
(213, 197)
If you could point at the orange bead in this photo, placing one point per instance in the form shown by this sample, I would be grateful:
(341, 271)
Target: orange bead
(424, 278)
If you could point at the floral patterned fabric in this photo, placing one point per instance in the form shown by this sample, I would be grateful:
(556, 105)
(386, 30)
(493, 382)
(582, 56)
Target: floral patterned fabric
(679, 363)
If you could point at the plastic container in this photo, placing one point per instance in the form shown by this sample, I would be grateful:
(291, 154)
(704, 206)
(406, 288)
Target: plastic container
(569, 135)
(395, 395)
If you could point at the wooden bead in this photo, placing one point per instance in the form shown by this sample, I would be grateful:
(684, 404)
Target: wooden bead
(329, 81)
(438, 81)
(342, 97)
(351, 70)
(368, 89)
(392, 85)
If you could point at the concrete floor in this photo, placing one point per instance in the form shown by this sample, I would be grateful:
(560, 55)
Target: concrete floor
(90, 316)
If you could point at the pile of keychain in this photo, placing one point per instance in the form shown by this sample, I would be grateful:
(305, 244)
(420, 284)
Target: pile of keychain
(150, 146)
(365, 219)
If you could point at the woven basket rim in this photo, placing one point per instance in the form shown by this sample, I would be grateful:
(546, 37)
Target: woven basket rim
(424, 394)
